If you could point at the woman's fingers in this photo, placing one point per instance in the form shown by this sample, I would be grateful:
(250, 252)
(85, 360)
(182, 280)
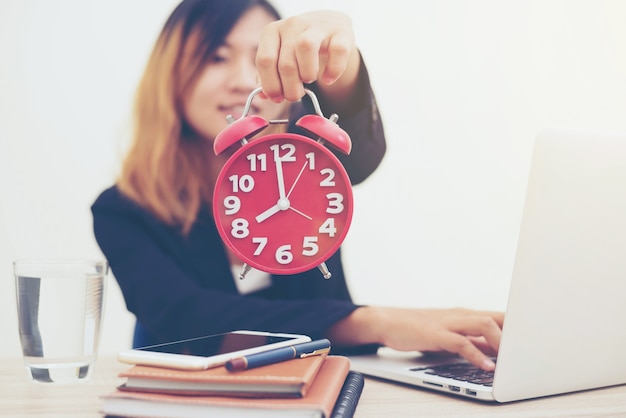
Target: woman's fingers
(302, 49)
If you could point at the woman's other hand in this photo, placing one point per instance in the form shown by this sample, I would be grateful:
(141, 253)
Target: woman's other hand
(473, 334)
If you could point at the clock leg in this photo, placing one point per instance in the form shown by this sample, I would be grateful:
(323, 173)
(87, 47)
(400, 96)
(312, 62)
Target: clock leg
(325, 272)
(244, 270)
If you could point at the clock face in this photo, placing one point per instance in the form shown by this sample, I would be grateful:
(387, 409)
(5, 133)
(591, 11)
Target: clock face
(283, 203)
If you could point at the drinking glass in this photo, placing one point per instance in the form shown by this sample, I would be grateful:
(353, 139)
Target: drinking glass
(59, 306)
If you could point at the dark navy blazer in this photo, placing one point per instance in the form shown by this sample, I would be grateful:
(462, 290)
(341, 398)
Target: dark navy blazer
(182, 286)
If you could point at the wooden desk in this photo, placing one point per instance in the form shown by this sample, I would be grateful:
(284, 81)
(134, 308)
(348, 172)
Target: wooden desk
(21, 398)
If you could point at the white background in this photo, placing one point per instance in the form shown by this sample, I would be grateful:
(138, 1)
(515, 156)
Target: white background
(463, 88)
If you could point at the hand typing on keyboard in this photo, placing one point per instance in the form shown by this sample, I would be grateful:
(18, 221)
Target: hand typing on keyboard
(473, 334)
(464, 372)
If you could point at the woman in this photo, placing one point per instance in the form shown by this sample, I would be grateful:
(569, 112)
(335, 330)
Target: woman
(155, 225)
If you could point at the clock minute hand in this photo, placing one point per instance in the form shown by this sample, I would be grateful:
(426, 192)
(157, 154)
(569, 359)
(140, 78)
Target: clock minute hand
(280, 176)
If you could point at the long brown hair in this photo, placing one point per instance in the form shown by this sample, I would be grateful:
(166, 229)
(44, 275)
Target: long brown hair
(166, 167)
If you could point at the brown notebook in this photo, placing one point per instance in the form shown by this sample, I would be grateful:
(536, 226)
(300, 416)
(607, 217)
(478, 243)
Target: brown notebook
(285, 379)
(318, 402)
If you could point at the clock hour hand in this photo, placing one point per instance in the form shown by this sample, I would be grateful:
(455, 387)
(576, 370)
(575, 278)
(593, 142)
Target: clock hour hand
(277, 208)
(271, 211)
(282, 204)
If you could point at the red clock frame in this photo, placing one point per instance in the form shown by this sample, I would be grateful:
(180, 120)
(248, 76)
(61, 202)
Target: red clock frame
(273, 205)
(283, 203)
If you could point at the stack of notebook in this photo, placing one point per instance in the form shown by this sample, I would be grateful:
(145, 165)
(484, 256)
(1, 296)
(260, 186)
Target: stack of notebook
(318, 386)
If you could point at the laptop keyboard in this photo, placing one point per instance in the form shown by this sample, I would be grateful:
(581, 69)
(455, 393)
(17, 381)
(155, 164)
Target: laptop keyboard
(461, 371)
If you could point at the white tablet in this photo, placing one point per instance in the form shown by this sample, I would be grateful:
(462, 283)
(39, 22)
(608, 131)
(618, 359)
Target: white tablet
(209, 351)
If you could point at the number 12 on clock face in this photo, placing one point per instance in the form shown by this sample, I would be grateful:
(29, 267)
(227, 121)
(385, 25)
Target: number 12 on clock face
(283, 203)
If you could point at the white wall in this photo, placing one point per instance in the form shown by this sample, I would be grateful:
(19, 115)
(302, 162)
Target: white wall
(463, 87)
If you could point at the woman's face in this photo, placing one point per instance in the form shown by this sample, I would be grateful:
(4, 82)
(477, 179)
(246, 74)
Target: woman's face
(226, 82)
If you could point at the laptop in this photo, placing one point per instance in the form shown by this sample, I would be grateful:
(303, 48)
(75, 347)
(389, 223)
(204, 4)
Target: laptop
(565, 323)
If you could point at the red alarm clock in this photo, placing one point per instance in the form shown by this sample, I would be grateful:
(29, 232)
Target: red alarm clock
(283, 202)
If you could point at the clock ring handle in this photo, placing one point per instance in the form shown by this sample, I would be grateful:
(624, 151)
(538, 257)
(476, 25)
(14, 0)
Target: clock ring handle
(249, 125)
(246, 108)
(316, 104)
(312, 96)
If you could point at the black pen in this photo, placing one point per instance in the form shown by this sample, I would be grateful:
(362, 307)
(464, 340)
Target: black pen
(312, 348)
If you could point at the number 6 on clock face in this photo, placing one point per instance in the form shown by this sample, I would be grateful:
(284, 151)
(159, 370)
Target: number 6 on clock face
(283, 203)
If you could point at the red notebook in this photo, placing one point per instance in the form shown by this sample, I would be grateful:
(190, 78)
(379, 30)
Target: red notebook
(285, 379)
(318, 402)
